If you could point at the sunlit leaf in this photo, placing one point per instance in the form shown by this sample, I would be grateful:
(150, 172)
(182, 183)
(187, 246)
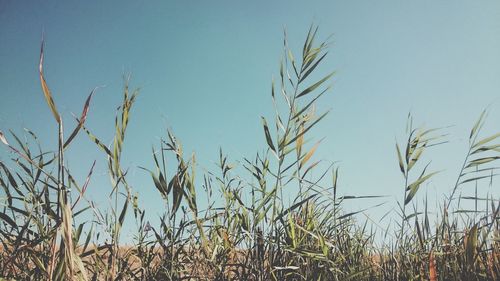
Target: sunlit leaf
(309, 154)
(45, 88)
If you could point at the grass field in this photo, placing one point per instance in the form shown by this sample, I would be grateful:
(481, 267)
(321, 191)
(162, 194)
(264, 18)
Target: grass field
(248, 232)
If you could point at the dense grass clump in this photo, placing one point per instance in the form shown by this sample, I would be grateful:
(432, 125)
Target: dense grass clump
(251, 233)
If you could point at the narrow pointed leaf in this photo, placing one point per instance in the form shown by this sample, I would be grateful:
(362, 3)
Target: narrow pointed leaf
(309, 154)
(413, 188)
(268, 135)
(400, 159)
(486, 140)
(311, 69)
(82, 119)
(477, 125)
(481, 161)
(45, 88)
(315, 85)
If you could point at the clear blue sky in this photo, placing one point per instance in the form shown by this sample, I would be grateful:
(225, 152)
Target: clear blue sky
(205, 69)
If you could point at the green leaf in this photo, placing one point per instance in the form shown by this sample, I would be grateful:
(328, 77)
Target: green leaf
(123, 212)
(309, 41)
(310, 103)
(177, 194)
(413, 188)
(311, 69)
(315, 85)
(159, 185)
(294, 206)
(268, 135)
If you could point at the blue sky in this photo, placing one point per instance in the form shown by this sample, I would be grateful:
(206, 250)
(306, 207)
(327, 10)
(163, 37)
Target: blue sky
(205, 69)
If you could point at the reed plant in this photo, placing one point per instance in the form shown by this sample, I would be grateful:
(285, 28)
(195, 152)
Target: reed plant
(247, 231)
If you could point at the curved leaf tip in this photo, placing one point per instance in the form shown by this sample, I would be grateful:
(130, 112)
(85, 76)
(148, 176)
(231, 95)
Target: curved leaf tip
(45, 88)
(3, 139)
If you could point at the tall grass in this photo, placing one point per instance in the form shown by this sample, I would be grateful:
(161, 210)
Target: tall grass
(249, 232)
